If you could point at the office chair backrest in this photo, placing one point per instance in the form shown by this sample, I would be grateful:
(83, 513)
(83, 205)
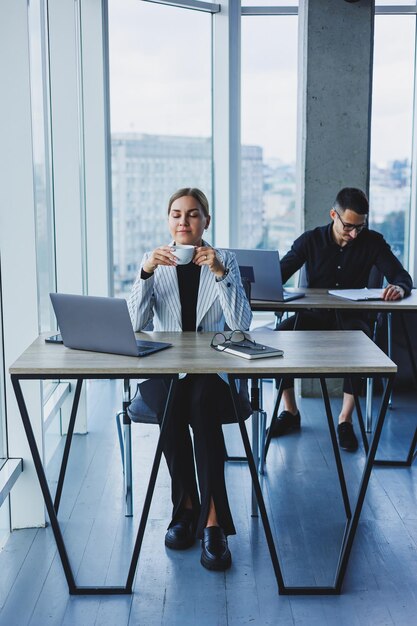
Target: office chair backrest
(246, 287)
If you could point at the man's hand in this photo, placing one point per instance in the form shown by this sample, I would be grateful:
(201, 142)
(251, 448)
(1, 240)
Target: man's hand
(393, 292)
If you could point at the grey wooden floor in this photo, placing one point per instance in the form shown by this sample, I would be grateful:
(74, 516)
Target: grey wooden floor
(303, 498)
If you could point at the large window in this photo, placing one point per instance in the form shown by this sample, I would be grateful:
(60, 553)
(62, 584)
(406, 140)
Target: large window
(161, 110)
(269, 112)
(44, 220)
(392, 122)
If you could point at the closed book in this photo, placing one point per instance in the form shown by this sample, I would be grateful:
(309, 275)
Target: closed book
(250, 352)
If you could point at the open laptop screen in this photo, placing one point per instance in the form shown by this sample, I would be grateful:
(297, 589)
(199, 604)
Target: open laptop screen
(99, 324)
(262, 269)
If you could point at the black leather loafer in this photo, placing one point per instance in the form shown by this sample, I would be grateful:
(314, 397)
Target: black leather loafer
(347, 437)
(215, 554)
(181, 534)
(285, 423)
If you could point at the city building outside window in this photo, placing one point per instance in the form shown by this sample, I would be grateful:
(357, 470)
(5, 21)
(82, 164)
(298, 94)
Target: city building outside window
(161, 113)
(269, 127)
(160, 103)
(392, 127)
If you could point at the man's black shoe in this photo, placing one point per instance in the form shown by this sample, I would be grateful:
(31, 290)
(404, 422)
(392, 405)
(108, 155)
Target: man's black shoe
(215, 554)
(180, 534)
(347, 438)
(285, 423)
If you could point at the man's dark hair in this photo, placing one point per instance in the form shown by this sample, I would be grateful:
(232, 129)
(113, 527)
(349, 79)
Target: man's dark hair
(353, 199)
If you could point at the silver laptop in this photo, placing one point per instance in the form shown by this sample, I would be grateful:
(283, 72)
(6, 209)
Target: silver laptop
(263, 270)
(100, 325)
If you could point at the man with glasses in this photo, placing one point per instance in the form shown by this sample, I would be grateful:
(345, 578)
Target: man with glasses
(339, 255)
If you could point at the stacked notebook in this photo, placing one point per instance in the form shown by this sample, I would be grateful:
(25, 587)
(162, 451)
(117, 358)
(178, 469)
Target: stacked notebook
(251, 352)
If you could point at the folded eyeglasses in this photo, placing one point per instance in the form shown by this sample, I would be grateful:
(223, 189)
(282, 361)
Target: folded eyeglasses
(221, 341)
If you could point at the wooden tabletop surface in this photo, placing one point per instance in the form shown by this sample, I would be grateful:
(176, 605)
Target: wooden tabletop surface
(321, 299)
(305, 352)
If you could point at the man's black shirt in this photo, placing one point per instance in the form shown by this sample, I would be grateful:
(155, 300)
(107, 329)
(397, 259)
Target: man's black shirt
(330, 266)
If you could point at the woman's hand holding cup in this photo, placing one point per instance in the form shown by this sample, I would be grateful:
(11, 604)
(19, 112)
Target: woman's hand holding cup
(160, 256)
(205, 255)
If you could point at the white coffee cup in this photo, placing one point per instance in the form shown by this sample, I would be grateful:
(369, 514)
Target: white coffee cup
(183, 252)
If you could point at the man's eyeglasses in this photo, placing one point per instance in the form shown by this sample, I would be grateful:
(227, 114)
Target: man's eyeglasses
(221, 341)
(348, 228)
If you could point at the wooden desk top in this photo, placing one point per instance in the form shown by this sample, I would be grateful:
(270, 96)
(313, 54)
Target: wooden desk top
(321, 299)
(305, 352)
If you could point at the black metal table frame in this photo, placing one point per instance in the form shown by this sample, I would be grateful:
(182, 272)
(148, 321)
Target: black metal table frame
(412, 451)
(53, 506)
(352, 518)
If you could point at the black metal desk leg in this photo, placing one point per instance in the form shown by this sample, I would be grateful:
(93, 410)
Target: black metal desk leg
(67, 447)
(412, 452)
(74, 589)
(335, 446)
(353, 519)
(257, 487)
(255, 452)
(127, 451)
(151, 485)
(44, 485)
(347, 546)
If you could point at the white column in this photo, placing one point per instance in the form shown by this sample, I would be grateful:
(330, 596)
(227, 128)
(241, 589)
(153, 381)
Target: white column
(96, 149)
(79, 146)
(226, 127)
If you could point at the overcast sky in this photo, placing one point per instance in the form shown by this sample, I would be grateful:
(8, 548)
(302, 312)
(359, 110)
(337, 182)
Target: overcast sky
(160, 77)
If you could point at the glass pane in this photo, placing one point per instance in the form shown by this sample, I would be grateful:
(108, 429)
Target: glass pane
(391, 133)
(45, 240)
(44, 216)
(160, 101)
(269, 118)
